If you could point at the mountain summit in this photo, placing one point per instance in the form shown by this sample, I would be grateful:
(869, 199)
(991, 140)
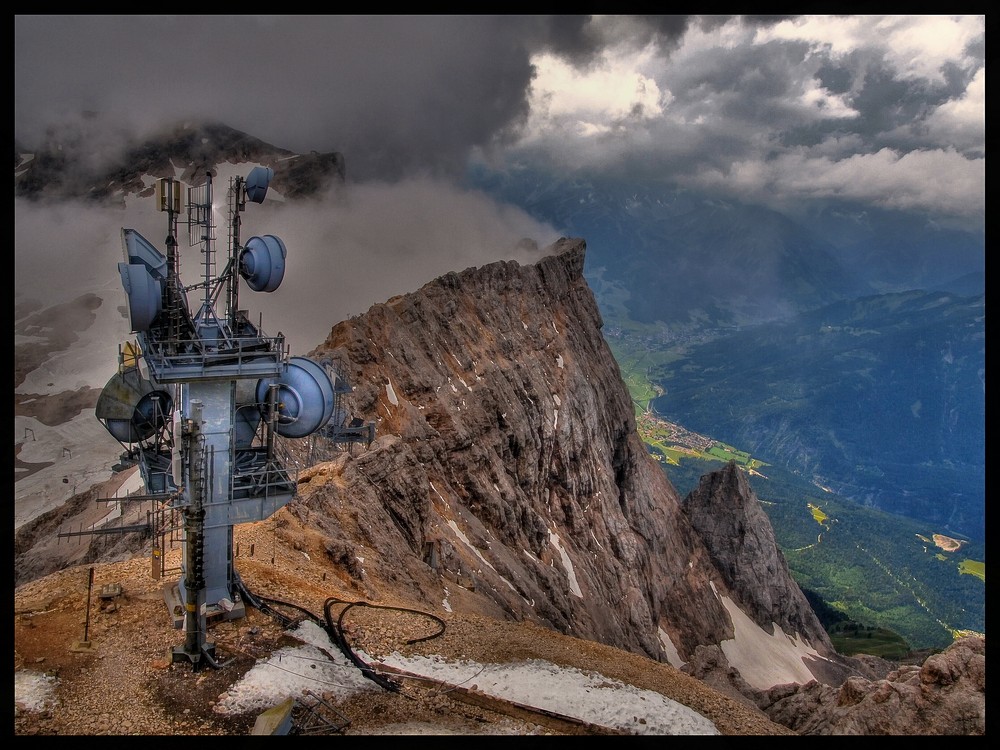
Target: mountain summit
(508, 469)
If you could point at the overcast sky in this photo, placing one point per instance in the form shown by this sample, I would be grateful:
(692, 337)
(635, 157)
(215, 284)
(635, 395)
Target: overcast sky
(882, 109)
(792, 113)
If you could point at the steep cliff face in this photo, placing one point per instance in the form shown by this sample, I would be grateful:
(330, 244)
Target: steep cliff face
(509, 473)
(730, 521)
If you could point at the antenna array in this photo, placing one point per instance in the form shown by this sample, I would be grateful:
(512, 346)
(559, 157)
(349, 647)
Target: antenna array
(202, 393)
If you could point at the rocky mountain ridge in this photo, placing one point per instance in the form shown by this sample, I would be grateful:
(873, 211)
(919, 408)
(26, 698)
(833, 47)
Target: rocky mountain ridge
(508, 450)
(62, 169)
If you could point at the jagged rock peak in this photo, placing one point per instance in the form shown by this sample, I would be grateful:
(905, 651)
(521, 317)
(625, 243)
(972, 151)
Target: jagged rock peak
(508, 455)
(727, 515)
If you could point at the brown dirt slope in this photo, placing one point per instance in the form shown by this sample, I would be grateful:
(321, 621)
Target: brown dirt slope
(123, 681)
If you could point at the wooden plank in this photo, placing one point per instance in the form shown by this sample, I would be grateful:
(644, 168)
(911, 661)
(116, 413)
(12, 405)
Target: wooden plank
(551, 719)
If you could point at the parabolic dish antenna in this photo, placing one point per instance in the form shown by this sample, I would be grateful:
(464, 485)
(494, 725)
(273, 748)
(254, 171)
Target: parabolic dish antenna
(257, 182)
(262, 263)
(132, 408)
(304, 399)
(144, 293)
(140, 250)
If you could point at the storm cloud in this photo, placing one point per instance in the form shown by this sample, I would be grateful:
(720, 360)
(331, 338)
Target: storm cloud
(671, 98)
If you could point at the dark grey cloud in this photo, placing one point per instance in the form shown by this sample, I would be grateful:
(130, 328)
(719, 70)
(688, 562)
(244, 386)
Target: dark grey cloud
(396, 93)
(885, 102)
(890, 111)
(754, 83)
(667, 30)
(418, 95)
(835, 78)
(573, 37)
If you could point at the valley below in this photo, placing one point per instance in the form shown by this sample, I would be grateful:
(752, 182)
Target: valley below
(922, 583)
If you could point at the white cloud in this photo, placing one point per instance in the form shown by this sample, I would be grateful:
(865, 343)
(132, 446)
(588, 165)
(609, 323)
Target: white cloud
(962, 121)
(592, 101)
(931, 180)
(916, 46)
(822, 103)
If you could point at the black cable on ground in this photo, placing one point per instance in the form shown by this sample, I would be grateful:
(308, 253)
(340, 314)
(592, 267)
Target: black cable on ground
(341, 638)
(335, 629)
(343, 612)
(337, 636)
(263, 604)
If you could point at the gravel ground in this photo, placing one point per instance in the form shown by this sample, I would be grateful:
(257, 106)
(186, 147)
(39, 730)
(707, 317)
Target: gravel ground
(123, 681)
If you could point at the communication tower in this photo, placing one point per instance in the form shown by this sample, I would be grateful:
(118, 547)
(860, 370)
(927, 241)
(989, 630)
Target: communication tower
(201, 394)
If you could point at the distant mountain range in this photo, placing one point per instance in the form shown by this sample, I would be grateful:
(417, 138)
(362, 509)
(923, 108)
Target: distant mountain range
(682, 257)
(64, 170)
(803, 343)
(881, 399)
